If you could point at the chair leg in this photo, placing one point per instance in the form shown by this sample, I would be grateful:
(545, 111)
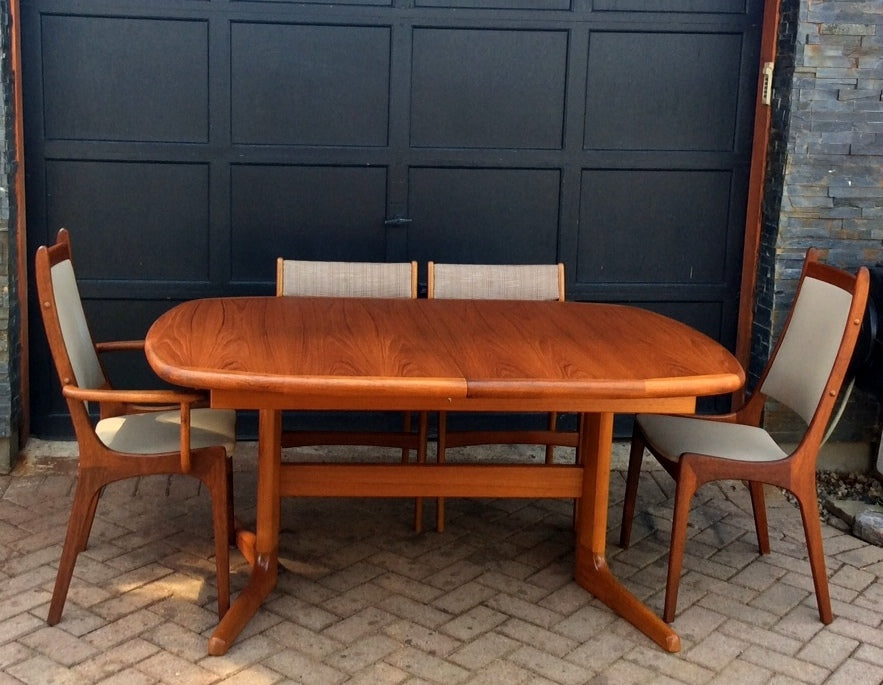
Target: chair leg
(422, 442)
(758, 505)
(90, 517)
(582, 425)
(552, 426)
(79, 525)
(222, 516)
(406, 428)
(636, 458)
(231, 514)
(686, 484)
(812, 528)
(215, 469)
(440, 458)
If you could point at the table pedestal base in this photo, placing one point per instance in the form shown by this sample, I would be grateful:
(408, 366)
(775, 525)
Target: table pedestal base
(588, 482)
(594, 575)
(260, 585)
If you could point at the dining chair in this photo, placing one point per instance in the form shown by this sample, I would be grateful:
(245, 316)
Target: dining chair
(137, 433)
(303, 278)
(497, 282)
(804, 374)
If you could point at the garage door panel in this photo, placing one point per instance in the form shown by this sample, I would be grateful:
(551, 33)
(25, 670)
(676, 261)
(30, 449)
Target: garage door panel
(310, 85)
(108, 320)
(498, 4)
(488, 88)
(379, 3)
(189, 143)
(132, 221)
(671, 91)
(708, 317)
(675, 234)
(697, 6)
(119, 320)
(484, 215)
(305, 212)
(95, 70)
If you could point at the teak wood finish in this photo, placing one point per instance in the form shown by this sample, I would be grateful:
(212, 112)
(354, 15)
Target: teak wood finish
(301, 278)
(98, 465)
(273, 354)
(494, 282)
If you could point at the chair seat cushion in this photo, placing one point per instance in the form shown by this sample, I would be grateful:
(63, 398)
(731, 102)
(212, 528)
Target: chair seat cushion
(671, 436)
(157, 432)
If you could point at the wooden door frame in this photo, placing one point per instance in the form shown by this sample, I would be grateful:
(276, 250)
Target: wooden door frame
(756, 181)
(21, 238)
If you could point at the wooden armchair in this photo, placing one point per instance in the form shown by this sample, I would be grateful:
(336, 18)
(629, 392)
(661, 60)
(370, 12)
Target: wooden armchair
(128, 440)
(805, 373)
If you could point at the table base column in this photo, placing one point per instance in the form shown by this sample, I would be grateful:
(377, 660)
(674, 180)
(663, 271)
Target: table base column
(261, 549)
(592, 571)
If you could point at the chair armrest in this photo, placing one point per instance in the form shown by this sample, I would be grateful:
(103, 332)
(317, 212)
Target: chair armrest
(119, 346)
(749, 414)
(183, 400)
(732, 417)
(144, 397)
(138, 406)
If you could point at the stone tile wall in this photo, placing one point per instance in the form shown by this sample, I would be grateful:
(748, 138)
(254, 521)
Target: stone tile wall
(825, 171)
(10, 403)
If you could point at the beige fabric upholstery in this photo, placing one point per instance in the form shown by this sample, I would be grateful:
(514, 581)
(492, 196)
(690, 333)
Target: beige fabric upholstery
(346, 279)
(74, 329)
(796, 378)
(672, 436)
(806, 355)
(157, 432)
(496, 281)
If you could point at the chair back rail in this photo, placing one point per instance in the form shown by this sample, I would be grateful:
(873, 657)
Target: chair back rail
(345, 279)
(496, 281)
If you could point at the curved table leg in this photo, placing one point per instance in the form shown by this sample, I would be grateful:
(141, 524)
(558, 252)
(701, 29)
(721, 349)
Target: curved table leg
(592, 572)
(262, 548)
(260, 584)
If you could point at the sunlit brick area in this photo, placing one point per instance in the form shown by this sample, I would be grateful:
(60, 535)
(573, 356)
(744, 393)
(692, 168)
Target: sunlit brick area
(363, 599)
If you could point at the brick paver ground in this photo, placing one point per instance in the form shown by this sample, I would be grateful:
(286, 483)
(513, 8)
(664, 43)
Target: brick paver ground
(363, 599)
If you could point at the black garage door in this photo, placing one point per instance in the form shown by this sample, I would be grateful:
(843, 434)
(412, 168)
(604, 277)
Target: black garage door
(188, 143)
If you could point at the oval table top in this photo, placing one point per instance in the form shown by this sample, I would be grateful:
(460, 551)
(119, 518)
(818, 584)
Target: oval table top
(381, 351)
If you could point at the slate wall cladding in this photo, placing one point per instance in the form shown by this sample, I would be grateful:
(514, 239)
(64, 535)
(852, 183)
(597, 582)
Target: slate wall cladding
(832, 176)
(765, 296)
(10, 402)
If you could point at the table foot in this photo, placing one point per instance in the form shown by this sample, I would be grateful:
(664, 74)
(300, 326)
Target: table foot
(260, 584)
(245, 543)
(594, 575)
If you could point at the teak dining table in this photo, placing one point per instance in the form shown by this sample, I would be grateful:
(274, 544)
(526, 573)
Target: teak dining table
(287, 353)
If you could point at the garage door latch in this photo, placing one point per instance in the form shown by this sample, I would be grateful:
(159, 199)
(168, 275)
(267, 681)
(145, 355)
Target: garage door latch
(767, 90)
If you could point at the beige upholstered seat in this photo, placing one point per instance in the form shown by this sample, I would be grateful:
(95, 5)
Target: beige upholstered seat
(354, 279)
(128, 440)
(497, 282)
(805, 374)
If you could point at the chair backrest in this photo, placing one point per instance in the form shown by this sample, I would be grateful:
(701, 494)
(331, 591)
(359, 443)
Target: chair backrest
(496, 281)
(70, 341)
(809, 363)
(346, 279)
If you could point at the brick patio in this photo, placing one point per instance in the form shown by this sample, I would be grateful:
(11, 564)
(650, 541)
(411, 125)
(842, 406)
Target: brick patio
(363, 599)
